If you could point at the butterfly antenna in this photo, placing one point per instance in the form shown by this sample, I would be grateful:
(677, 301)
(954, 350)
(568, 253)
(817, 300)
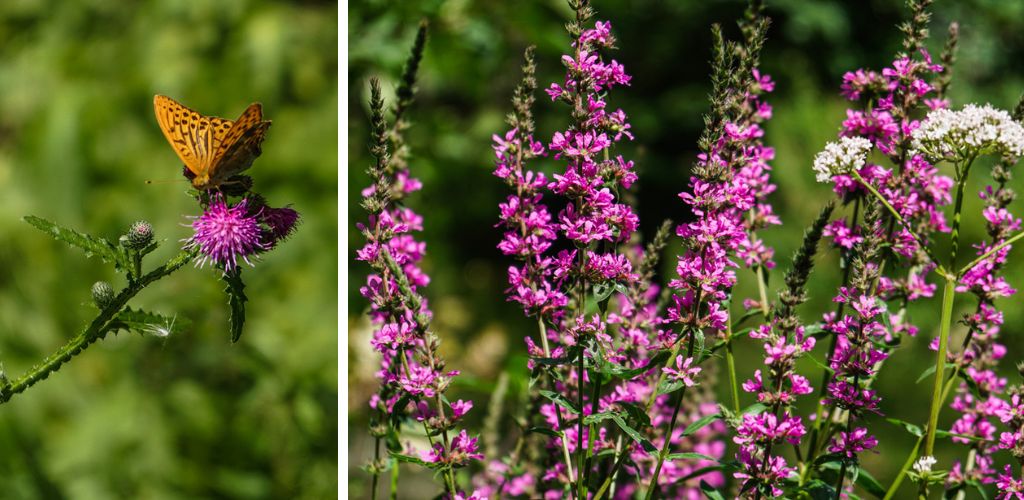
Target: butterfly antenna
(161, 181)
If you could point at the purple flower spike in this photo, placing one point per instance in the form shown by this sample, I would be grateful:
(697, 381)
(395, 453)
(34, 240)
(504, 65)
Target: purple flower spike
(224, 234)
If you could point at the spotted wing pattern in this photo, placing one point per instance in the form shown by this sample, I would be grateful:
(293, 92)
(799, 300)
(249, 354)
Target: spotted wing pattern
(241, 145)
(194, 137)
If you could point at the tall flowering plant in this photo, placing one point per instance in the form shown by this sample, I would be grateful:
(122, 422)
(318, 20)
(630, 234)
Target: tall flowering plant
(556, 286)
(412, 374)
(620, 402)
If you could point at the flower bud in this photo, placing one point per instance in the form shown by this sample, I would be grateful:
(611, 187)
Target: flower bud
(102, 294)
(140, 235)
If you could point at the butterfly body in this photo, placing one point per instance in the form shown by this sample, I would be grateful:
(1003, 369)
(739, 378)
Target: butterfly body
(212, 149)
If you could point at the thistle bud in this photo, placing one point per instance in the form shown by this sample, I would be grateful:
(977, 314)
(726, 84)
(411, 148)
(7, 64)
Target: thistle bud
(140, 235)
(102, 294)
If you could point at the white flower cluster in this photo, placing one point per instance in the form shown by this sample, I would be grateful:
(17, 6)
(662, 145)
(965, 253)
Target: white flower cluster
(842, 157)
(924, 464)
(974, 130)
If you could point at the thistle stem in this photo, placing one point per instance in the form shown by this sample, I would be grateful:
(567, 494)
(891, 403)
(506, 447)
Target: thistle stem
(97, 329)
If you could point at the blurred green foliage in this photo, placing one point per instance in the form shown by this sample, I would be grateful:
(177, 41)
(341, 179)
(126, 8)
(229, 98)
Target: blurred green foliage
(189, 416)
(466, 80)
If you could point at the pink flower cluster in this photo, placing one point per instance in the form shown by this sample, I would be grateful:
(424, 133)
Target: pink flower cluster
(411, 372)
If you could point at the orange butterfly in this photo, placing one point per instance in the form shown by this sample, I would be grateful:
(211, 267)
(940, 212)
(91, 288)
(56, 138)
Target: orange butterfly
(213, 149)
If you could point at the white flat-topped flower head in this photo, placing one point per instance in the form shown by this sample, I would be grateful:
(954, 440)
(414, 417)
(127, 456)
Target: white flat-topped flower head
(924, 464)
(974, 130)
(843, 157)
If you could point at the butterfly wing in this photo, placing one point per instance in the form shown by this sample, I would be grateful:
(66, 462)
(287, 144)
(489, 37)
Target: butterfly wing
(240, 145)
(194, 137)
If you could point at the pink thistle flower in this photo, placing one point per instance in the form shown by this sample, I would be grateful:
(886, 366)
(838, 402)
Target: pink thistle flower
(280, 222)
(224, 234)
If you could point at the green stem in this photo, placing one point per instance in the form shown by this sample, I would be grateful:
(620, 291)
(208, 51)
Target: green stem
(762, 290)
(594, 395)
(580, 472)
(558, 411)
(653, 487)
(672, 423)
(903, 470)
(961, 183)
(913, 453)
(940, 363)
(376, 471)
(731, 364)
(394, 481)
(97, 329)
(989, 253)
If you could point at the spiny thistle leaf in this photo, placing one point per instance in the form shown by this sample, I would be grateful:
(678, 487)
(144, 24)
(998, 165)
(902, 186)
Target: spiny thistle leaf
(105, 249)
(236, 299)
(149, 323)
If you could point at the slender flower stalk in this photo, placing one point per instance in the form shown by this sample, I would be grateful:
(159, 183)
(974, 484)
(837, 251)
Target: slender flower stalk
(412, 374)
(727, 192)
(555, 288)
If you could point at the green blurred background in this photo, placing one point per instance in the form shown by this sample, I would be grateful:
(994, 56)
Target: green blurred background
(469, 70)
(189, 416)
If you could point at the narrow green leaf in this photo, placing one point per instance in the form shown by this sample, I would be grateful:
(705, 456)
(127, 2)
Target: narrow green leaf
(637, 414)
(633, 433)
(690, 456)
(621, 372)
(870, 484)
(670, 386)
(412, 460)
(819, 490)
(911, 428)
(560, 400)
(705, 470)
(700, 424)
(945, 434)
(597, 417)
(545, 431)
(829, 458)
(821, 365)
(698, 337)
(754, 409)
(149, 323)
(236, 299)
(979, 487)
(925, 374)
(709, 491)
